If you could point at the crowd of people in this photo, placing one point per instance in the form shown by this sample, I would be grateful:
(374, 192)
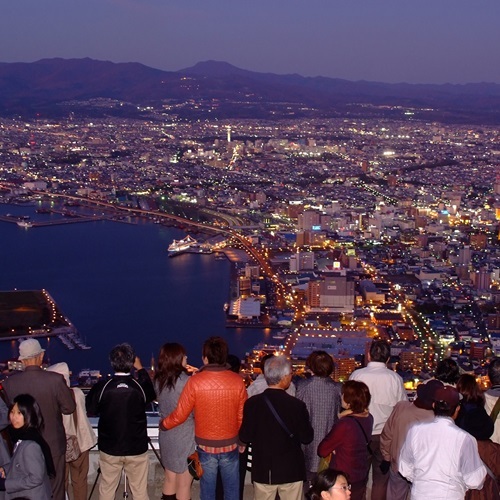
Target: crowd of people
(307, 436)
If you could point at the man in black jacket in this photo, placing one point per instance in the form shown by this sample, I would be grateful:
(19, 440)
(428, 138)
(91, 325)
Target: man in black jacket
(120, 404)
(277, 424)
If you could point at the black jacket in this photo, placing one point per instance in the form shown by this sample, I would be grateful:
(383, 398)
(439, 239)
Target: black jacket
(277, 458)
(120, 403)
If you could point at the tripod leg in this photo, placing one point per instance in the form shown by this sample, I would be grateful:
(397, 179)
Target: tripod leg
(95, 482)
(125, 492)
(155, 451)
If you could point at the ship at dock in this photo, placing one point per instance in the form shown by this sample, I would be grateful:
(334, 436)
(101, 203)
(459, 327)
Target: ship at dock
(187, 245)
(24, 223)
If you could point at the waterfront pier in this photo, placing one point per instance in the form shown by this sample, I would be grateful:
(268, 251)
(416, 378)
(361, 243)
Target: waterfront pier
(29, 223)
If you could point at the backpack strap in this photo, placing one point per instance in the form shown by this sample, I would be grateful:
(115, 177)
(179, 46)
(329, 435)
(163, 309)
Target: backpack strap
(495, 411)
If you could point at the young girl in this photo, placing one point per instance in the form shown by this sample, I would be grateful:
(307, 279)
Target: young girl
(330, 484)
(27, 473)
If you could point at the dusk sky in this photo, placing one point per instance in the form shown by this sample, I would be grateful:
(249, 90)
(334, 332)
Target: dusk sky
(419, 41)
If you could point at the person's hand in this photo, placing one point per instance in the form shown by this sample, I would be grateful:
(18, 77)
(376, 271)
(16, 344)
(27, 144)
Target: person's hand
(385, 465)
(344, 413)
(161, 426)
(137, 363)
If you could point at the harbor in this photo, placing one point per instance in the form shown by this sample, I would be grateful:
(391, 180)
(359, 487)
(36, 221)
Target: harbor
(116, 284)
(34, 313)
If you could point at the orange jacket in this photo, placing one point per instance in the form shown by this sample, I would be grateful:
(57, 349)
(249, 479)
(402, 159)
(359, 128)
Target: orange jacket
(216, 395)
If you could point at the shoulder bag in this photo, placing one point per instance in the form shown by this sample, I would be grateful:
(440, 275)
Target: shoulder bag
(72, 447)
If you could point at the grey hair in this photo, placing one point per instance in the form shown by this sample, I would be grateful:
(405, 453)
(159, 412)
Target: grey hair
(276, 368)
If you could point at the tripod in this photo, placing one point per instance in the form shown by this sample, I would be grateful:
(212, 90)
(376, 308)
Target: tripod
(95, 482)
(125, 490)
(125, 479)
(155, 451)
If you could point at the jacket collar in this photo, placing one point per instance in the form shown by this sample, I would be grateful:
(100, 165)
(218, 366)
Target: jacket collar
(214, 368)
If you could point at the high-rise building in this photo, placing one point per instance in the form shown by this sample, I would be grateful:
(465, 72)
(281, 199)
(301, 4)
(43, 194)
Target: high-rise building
(464, 255)
(252, 271)
(301, 261)
(482, 279)
(309, 220)
(412, 358)
(244, 286)
(331, 294)
(478, 241)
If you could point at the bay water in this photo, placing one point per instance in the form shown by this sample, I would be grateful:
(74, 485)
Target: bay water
(116, 283)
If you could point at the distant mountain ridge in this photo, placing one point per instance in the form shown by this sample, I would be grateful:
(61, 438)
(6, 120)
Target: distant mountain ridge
(55, 87)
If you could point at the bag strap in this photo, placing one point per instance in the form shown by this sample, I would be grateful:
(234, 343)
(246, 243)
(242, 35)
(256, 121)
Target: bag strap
(75, 418)
(495, 480)
(278, 418)
(368, 441)
(495, 411)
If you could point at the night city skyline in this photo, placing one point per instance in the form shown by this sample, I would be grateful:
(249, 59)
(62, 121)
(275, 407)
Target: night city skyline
(390, 41)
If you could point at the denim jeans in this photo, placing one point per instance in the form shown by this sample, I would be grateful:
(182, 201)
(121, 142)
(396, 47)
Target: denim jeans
(228, 464)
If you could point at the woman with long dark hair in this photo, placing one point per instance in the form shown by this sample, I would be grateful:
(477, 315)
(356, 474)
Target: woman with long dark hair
(178, 443)
(350, 436)
(27, 474)
(472, 397)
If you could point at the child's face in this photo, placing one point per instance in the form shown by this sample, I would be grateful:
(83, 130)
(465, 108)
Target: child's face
(16, 417)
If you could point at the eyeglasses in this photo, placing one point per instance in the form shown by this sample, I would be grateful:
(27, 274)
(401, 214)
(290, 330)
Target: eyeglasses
(345, 487)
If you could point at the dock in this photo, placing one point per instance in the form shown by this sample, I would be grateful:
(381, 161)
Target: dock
(29, 223)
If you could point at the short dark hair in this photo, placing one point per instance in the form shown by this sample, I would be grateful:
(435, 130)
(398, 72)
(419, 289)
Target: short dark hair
(447, 371)
(30, 410)
(215, 350)
(443, 409)
(494, 371)
(320, 363)
(356, 395)
(122, 358)
(323, 481)
(380, 350)
(234, 363)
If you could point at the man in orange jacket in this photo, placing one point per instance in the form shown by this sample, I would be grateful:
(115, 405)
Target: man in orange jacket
(216, 395)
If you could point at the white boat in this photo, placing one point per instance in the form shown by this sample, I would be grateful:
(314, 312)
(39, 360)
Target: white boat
(24, 223)
(180, 245)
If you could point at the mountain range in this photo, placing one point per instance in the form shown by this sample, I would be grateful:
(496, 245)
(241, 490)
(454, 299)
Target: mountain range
(87, 87)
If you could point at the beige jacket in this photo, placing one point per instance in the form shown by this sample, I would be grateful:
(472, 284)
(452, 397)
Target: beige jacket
(84, 433)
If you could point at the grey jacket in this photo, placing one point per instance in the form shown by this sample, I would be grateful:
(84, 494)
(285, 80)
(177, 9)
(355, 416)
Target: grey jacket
(26, 473)
(322, 399)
